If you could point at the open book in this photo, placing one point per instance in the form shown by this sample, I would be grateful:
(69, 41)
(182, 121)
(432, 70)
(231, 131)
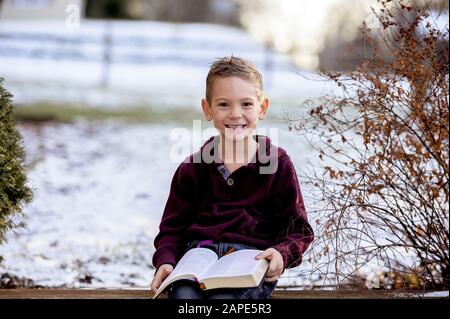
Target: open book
(238, 269)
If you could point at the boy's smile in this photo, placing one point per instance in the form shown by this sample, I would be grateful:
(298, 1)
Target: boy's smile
(235, 107)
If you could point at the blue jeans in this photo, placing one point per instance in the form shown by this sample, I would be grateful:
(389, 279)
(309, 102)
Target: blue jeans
(187, 289)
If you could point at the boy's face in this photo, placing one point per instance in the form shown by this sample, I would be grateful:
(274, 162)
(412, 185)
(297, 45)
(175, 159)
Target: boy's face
(234, 107)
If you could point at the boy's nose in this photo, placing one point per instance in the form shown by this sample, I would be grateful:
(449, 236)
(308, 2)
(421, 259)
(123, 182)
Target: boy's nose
(235, 112)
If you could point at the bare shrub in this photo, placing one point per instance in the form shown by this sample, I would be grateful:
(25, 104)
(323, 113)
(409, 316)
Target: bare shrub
(384, 149)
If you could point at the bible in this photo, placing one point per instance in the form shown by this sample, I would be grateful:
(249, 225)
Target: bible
(238, 269)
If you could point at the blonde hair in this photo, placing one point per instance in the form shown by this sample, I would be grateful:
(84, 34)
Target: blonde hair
(233, 66)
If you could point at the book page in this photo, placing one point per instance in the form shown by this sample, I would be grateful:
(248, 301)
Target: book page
(194, 262)
(238, 263)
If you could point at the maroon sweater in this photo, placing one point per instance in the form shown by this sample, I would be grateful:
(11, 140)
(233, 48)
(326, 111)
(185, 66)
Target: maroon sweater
(261, 210)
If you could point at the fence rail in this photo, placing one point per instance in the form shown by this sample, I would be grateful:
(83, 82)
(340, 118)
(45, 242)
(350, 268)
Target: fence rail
(107, 43)
(104, 48)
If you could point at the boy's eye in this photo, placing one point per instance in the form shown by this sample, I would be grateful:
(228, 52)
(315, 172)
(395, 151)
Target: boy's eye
(223, 104)
(247, 104)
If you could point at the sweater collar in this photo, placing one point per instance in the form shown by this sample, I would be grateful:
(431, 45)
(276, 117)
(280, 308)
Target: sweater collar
(265, 153)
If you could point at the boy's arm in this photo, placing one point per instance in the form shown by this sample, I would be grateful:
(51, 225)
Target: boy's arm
(177, 216)
(294, 233)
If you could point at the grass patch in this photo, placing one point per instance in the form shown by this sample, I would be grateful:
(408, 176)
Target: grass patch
(42, 112)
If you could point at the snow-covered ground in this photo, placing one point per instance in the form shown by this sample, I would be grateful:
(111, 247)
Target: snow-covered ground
(100, 189)
(438, 294)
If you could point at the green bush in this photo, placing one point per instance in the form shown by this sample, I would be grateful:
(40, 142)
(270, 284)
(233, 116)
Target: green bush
(13, 189)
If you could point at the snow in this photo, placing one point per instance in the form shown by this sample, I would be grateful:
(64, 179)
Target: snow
(439, 294)
(97, 200)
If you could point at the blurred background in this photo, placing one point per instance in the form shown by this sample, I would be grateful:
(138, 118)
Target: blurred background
(99, 88)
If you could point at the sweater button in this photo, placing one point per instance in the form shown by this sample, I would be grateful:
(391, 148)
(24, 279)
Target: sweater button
(230, 182)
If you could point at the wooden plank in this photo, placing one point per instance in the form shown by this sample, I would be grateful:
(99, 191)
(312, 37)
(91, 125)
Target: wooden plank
(147, 294)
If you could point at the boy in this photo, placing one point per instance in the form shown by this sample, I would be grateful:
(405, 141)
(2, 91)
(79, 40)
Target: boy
(239, 191)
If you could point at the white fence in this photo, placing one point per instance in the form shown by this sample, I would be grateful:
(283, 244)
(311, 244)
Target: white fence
(150, 60)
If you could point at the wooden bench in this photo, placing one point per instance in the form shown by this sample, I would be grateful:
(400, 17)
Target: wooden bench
(147, 294)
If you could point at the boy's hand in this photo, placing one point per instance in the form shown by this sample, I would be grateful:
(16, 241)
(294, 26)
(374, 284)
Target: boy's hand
(276, 263)
(163, 271)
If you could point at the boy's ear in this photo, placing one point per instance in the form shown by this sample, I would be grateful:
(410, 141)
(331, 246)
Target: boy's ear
(206, 110)
(263, 109)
